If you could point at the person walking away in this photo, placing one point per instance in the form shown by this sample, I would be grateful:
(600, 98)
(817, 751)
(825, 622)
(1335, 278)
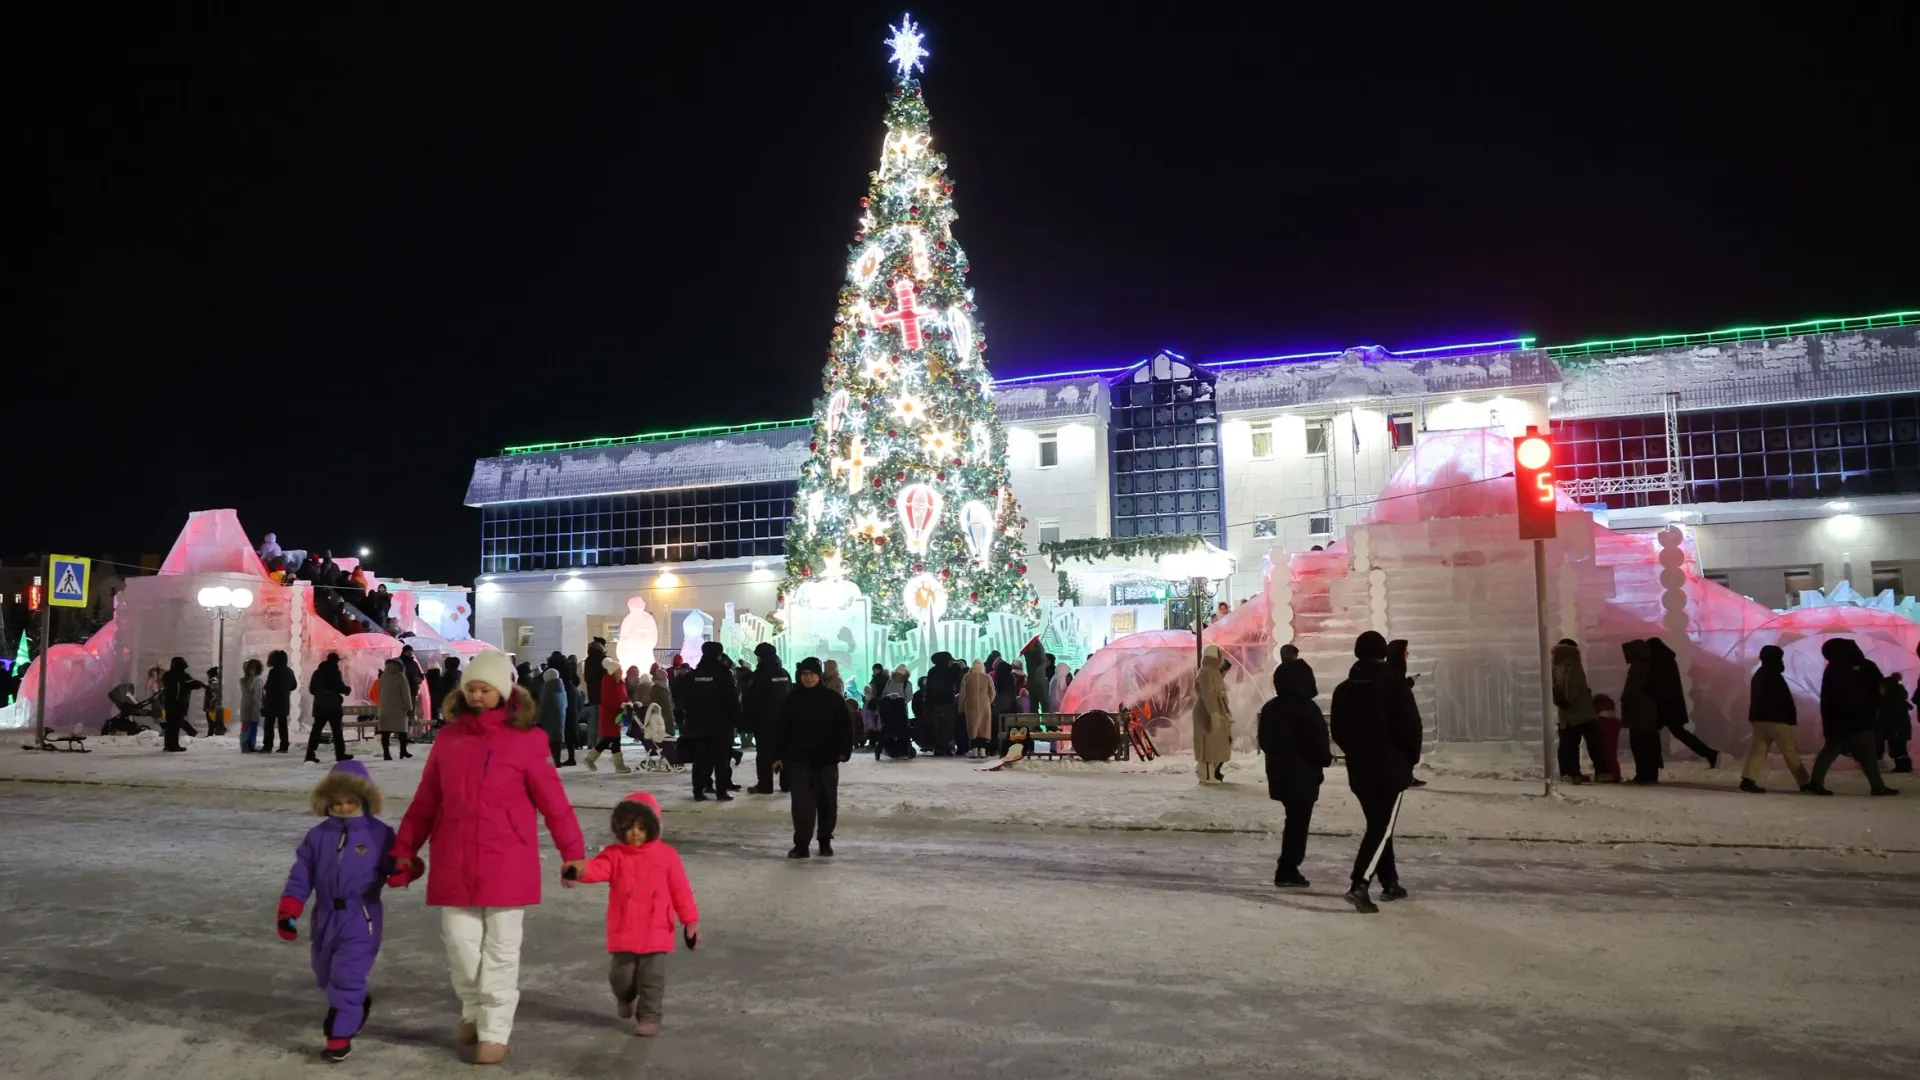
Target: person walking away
(1006, 692)
(1034, 656)
(176, 695)
(486, 774)
(1574, 712)
(939, 703)
(613, 695)
(552, 711)
(1212, 720)
(1397, 661)
(342, 865)
(1293, 736)
(1670, 700)
(976, 703)
(1849, 714)
(648, 887)
(251, 685)
(1607, 719)
(1639, 714)
(591, 672)
(870, 701)
(762, 709)
(329, 690)
(1896, 723)
(1378, 729)
(276, 700)
(576, 707)
(394, 711)
(213, 702)
(713, 713)
(1772, 713)
(814, 739)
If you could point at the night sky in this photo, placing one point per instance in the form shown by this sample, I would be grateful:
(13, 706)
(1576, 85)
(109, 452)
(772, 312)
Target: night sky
(309, 263)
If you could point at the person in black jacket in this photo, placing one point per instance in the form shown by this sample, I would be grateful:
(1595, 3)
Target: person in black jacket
(1670, 699)
(329, 690)
(814, 738)
(410, 664)
(761, 710)
(713, 714)
(176, 696)
(1896, 723)
(1378, 729)
(1293, 736)
(276, 698)
(939, 702)
(1771, 711)
(1849, 713)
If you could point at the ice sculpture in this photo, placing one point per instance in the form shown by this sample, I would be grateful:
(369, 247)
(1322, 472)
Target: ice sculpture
(638, 636)
(695, 630)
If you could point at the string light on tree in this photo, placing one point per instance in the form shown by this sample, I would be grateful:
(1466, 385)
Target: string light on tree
(915, 433)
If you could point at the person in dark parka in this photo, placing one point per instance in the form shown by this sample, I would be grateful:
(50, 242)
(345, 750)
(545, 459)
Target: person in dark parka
(176, 696)
(1896, 723)
(276, 699)
(814, 737)
(329, 689)
(1849, 714)
(1773, 715)
(939, 703)
(1670, 700)
(1293, 736)
(1378, 729)
(1639, 715)
(713, 714)
(761, 710)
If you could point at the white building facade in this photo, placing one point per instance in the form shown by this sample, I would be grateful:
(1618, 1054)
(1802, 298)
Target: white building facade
(1792, 453)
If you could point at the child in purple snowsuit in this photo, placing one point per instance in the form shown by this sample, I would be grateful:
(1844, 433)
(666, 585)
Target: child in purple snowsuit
(343, 864)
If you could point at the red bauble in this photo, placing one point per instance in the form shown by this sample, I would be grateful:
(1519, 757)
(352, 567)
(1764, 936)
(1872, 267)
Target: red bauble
(863, 201)
(891, 504)
(813, 446)
(913, 211)
(879, 540)
(876, 481)
(973, 596)
(939, 476)
(949, 189)
(959, 461)
(919, 568)
(946, 573)
(941, 244)
(899, 476)
(995, 492)
(806, 571)
(891, 433)
(859, 234)
(1022, 568)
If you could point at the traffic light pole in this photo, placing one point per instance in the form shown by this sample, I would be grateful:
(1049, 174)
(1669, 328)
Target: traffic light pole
(1546, 663)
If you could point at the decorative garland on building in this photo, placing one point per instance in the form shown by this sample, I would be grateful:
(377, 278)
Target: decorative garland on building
(1096, 548)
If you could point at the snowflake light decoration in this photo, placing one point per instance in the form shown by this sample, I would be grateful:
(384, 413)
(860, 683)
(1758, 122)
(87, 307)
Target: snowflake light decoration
(908, 52)
(909, 409)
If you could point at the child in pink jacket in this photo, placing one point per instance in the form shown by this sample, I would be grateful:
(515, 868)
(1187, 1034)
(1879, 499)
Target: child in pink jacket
(648, 887)
(485, 776)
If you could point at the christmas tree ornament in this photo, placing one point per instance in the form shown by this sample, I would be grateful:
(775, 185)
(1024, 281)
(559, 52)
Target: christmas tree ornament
(961, 328)
(909, 408)
(867, 264)
(925, 598)
(854, 465)
(917, 245)
(836, 412)
(919, 512)
(905, 315)
(976, 525)
(938, 444)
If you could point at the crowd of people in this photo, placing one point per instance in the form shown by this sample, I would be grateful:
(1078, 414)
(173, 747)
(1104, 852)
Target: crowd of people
(337, 592)
(1376, 724)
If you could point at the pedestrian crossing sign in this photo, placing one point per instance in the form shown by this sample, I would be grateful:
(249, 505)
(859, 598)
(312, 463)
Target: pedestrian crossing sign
(69, 576)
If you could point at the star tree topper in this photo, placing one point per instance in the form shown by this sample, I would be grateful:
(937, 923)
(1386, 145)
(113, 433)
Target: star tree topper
(907, 50)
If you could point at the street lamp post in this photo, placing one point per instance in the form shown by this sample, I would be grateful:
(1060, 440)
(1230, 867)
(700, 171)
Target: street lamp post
(223, 604)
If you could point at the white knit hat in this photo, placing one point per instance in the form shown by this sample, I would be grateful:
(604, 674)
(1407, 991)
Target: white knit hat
(490, 667)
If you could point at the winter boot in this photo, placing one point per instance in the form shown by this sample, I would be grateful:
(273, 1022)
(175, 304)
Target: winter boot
(826, 849)
(1884, 790)
(593, 756)
(336, 1051)
(1751, 788)
(1815, 789)
(1392, 892)
(619, 763)
(799, 852)
(469, 1033)
(489, 1053)
(647, 1029)
(1362, 903)
(1289, 879)
(626, 1009)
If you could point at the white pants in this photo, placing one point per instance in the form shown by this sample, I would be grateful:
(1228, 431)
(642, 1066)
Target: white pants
(483, 955)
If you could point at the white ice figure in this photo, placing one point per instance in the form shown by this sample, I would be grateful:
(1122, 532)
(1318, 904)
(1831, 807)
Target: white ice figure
(695, 630)
(639, 634)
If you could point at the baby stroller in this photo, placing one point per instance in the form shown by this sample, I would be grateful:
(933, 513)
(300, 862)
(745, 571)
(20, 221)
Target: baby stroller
(653, 735)
(130, 711)
(896, 733)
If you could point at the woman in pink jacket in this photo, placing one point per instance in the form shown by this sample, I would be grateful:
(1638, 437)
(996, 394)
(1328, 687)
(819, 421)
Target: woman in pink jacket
(487, 772)
(649, 887)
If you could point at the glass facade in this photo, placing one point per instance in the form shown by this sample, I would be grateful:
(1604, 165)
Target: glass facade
(1165, 447)
(741, 521)
(1820, 450)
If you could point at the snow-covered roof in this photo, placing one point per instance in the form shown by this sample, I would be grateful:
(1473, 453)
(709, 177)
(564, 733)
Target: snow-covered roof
(1358, 374)
(1732, 374)
(1052, 399)
(739, 458)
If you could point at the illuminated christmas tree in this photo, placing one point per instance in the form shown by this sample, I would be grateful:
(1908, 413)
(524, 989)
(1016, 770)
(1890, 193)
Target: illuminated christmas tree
(905, 493)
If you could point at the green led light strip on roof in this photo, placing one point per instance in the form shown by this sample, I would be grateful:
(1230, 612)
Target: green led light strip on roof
(657, 436)
(1736, 333)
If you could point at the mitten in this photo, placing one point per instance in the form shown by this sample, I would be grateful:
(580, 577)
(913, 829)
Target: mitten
(691, 935)
(402, 877)
(287, 922)
(570, 873)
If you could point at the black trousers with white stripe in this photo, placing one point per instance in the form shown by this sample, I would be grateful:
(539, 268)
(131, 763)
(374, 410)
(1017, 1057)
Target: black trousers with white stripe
(1375, 858)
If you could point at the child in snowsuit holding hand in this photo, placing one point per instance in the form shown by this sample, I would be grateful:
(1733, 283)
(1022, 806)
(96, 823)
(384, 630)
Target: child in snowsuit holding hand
(648, 888)
(342, 865)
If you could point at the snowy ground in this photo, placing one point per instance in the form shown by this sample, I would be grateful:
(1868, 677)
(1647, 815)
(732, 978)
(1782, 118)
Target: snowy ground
(136, 944)
(1469, 796)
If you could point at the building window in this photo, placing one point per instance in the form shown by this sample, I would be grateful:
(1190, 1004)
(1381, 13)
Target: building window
(1049, 449)
(1718, 577)
(1262, 440)
(1821, 450)
(1265, 527)
(1164, 445)
(1400, 430)
(687, 525)
(1049, 532)
(1319, 437)
(523, 637)
(1797, 580)
(1320, 525)
(1888, 575)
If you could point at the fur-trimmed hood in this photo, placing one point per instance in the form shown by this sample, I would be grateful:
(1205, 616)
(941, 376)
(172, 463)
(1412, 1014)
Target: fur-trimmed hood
(346, 778)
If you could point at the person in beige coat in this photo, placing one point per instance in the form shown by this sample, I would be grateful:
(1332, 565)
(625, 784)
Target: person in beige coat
(1212, 720)
(976, 703)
